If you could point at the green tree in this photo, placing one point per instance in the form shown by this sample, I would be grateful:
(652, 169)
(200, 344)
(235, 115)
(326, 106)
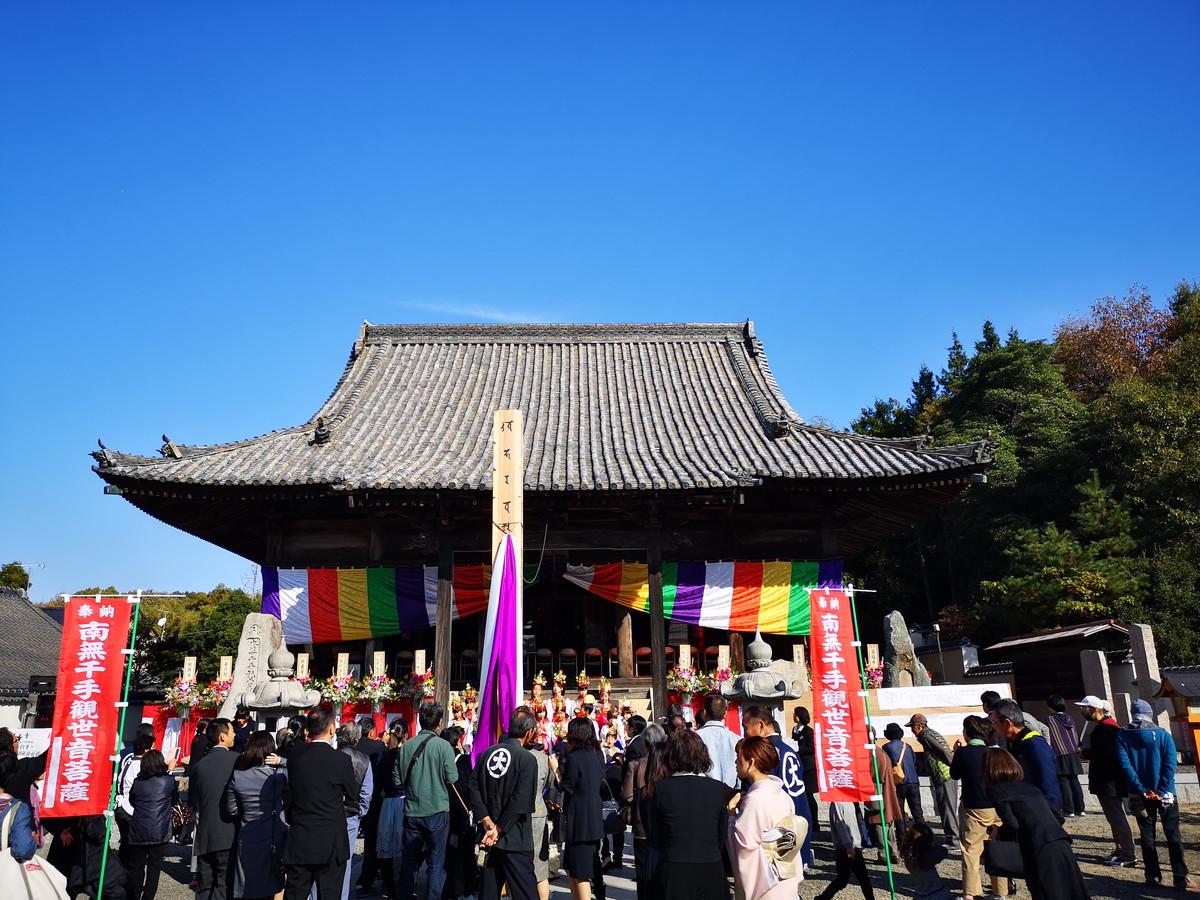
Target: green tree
(14, 575)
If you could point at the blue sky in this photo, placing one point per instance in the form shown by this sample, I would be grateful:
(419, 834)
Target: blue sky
(199, 206)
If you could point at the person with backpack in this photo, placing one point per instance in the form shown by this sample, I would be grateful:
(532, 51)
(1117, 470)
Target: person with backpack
(938, 757)
(978, 815)
(21, 844)
(903, 771)
(763, 814)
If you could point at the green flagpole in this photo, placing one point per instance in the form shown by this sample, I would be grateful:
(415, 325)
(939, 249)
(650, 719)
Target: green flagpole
(887, 850)
(112, 792)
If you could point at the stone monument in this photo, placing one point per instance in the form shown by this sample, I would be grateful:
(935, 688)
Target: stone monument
(262, 635)
(766, 681)
(901, 668)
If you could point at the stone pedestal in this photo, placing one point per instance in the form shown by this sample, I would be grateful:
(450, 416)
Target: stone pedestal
(1145, 667)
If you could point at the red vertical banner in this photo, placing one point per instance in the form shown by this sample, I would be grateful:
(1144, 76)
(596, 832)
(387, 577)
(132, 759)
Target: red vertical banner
(83, 738)
(839, 716)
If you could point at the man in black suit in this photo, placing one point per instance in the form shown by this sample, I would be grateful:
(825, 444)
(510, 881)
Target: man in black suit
(321, 794)
(215, 831)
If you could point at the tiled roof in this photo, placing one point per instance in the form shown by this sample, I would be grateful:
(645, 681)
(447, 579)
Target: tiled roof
(1071, 632)
(1184, 679)
(989, 670)
(32, 640)
(607, 407)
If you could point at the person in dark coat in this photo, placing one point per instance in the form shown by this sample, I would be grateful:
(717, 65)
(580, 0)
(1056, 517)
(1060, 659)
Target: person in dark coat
(1051, 871)
(633, 794)
(215, 831)
(200, 745)
(1106, 780)
(909, 790)
(77, 852)
(461, 871)
(321, 794)
(687, 821)
(254, 800)
(503, 785)
(580, 775)
(806, 748)
(1030, 748)
(152, 795)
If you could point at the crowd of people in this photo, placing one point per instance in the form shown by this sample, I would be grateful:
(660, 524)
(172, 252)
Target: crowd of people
(711, 813)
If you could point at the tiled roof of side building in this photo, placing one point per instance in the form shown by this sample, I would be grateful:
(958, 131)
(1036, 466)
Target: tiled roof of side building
(32, 642)
(607, 407)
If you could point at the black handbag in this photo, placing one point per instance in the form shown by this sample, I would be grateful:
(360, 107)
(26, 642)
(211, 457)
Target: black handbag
(1002, 859)
(610, 812)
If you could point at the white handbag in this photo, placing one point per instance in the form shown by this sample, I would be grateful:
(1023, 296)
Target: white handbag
(34, 879)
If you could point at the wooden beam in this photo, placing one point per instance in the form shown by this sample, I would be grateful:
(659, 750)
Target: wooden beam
(445, 614)
(508, 517)
(625, 646)
(658, 631)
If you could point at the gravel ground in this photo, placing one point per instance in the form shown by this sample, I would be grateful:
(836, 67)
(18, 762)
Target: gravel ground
(1092, 839)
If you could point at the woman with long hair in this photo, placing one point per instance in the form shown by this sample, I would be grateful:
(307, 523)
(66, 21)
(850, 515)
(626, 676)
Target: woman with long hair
(763, 806)
(921, 856)
(977, 814)
(1051, 870)
(581, 774)
(254, 800)
(686, 823)
(633, 794)
(152, 795)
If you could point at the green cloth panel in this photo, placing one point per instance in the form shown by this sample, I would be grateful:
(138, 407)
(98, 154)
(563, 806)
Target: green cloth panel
(381, 601)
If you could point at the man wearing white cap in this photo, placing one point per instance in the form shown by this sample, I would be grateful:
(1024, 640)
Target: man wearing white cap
(1105, 779)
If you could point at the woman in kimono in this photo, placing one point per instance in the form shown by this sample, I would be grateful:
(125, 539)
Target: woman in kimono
(756, 817)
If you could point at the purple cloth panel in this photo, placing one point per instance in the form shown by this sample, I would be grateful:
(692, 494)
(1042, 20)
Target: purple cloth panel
(270, 598)
(498, 700)
(829, 574)
(689, 593)
(410, 598)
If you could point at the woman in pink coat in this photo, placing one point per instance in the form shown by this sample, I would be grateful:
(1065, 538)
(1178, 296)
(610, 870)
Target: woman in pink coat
(754, 814)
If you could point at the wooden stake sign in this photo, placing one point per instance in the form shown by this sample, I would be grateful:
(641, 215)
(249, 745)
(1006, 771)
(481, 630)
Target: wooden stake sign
(685, 656)
(301, 666)
(508, 487)
(419, 661)
(723, 656)
(798, 654)
(343, 665)
(225, 669)
(872, 655)
(189, 669)
(379, 662)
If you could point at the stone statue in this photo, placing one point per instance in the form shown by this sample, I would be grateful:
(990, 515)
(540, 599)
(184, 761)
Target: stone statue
(901, 668)
(765, 681)
(282, 694)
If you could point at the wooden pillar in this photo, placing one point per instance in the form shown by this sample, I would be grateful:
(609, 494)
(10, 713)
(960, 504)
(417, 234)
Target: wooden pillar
(737, 652)
(658, 630)
(445, 620)
(625, 646)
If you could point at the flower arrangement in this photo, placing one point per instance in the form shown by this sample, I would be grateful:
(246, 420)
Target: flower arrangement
(720, 675)
(423, 684)
(875, 676)
(339, 690)
(582, 681)
(215, 692)
(183, 694)
(376, 689)
(683, 679)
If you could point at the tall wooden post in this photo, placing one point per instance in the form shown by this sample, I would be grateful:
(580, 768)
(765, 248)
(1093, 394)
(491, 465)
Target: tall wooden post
(445, 613)
(508, 512)
(625, 646)
(658, 630)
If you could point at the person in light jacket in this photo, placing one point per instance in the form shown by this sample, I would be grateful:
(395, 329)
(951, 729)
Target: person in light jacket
(762, 806)
(254, 800)
(21, 844)
(151, 797)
